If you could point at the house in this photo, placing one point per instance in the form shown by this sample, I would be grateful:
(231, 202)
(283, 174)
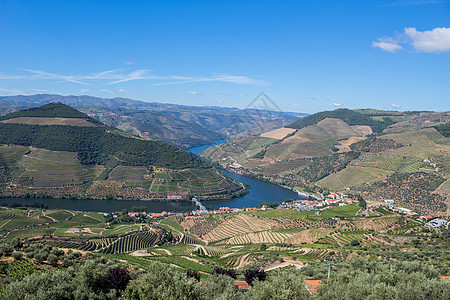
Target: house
(403, 210)
(243, 285)
(73, 230)
(425, 218)
(312, 285)
(437, 223)
(389, 201)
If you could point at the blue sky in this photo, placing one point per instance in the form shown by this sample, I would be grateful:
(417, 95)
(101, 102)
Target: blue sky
(308, 56)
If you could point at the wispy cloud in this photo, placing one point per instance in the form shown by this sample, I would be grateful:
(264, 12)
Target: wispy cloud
(244, 80)
(112, 77)
(12, 91)
(129, 62)
(192, 93)
(336, 104)
(135, 75)
(45, 75)
(121, 91)
(107, 91)
(435, 40)
(393, 105)
(387, 45)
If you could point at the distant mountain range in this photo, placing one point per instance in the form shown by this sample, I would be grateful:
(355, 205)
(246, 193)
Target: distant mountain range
(181, 125)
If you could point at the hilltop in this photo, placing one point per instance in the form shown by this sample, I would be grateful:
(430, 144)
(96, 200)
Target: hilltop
(56, 150)
(364, 151)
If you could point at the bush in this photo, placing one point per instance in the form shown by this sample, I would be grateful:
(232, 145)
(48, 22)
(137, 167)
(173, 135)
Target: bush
(17, 255)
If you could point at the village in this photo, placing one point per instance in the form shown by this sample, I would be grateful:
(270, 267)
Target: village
(331, 200)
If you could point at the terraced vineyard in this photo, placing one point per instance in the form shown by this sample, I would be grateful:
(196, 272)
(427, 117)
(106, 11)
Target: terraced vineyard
(115, 244)
(237, 225)
(259, 237)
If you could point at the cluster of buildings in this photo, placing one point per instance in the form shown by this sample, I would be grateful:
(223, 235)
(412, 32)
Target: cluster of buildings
(432, 221)
(306, 205)
(392, 206)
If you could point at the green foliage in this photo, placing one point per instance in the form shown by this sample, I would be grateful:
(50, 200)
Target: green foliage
(375, 145)
(323, 166)
(413, 189)
(280, 285)
(163, 282)
(94, 145)
(349, 116)
(51, 110)
(444, 129)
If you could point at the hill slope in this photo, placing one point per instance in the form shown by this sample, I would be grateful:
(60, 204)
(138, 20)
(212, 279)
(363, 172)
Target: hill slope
(345, 150)
(32, 153)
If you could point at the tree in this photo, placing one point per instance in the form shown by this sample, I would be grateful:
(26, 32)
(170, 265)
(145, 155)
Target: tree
(227, 272)
(263, 247)
(252, 274)
(163, 282)
(52, 259)
(193, 274)
(118, 277)
(287, 284)
(354, 243)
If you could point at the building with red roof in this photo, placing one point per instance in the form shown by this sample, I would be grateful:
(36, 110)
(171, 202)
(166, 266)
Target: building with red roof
(243, 285)
(312, 285)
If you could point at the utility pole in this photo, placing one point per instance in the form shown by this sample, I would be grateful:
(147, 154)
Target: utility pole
(330, 267)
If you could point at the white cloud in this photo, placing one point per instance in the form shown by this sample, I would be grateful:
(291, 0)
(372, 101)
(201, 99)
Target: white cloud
(393, 105)
(436, 40)
(121, 91)
(107, 91)
(192, 93)
(45, 75)
(219, 101)
(84, 90)
(112, 77)
(129, 62)
(336, 104)
(389, 46)
(12, 91)
(237, 79)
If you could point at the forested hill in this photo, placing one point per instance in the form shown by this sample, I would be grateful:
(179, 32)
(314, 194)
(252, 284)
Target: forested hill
(349, 116)
(50, 110)
(94, 145)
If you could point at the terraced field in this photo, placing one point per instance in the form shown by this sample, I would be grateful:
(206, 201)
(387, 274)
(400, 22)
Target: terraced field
(114, 244)
(377, 224)
(267, 236)
(236, 225)
(353, 176)
(54, 168)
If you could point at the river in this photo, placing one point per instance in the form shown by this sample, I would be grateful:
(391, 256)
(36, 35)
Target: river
(260, 191)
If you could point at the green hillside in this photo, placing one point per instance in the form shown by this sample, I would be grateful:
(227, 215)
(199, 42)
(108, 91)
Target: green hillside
(51, 110)
(349, 116)
(75, 160)
(356, 151)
